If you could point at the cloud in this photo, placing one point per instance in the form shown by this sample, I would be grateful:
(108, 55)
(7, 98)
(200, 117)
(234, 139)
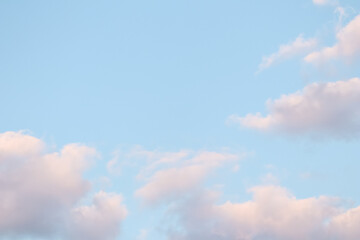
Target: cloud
(320, 109)
(273, 213)
(113, 167)
(175, 175)
(137, 156)
(298, 47)
(346, 48)
(346, 225)
(143, 235)
(39, 189)
(325, 2)
(100, 220)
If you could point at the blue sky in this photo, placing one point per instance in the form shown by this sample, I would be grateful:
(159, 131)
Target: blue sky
(173, 96)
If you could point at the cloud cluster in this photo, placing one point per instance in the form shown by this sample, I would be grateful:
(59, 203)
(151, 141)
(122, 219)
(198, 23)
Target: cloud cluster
(175, 175)
(298, 47)
(320, 109)
(273, 213)
(346, 48)
(39, 191)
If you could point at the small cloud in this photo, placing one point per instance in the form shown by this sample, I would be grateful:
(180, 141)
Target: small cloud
(143, 234)
(298, 47)
(236, 168)
(306, 175)
(269, 178)
(113, 166)
(325, 2)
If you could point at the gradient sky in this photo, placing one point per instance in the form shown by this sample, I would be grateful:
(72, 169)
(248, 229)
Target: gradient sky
(191, 120)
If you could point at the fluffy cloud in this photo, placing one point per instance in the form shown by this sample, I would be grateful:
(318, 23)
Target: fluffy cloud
(346, 225)
(273, 213)
(300, 46)
(38, 189)
(100, 220)
(174, 175)
(320, 109)
(347, 46)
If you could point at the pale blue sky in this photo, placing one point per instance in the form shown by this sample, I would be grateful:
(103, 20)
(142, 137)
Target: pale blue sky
(166, 75)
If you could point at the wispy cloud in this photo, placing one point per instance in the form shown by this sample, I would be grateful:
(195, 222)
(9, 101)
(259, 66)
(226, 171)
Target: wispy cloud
(299, 47)
(179, 174)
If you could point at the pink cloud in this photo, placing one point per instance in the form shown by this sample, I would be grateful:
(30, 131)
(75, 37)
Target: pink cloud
(272, 213)
(320, 109)
(40, 190)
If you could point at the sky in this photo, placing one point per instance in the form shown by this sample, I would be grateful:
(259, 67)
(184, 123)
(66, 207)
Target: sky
(179, 120)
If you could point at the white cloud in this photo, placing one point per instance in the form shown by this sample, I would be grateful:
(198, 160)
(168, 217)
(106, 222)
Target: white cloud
(273, 213)
(298, 47)
(347, 46)
(325, 2)
(320, 109)
(38, 189)
(174, 175)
